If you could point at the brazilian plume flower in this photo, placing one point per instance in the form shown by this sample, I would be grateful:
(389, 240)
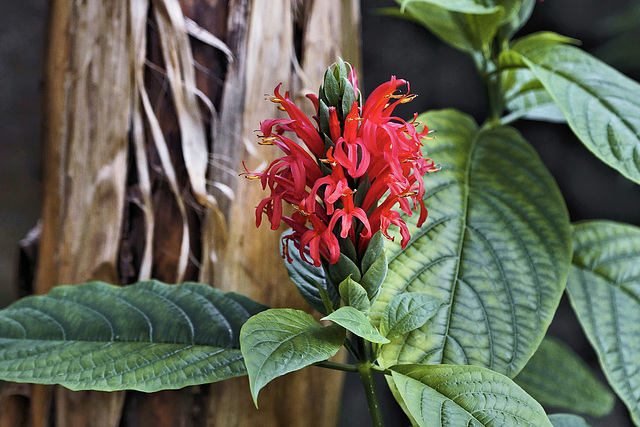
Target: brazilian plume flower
(357, 165)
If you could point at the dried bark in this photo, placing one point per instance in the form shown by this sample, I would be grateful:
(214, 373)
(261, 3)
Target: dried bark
(150, 108)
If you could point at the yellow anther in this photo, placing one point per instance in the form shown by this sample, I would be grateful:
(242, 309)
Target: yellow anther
(331, 162)
(267, 140)
(407, 98)
(250, 175)
(300, 210)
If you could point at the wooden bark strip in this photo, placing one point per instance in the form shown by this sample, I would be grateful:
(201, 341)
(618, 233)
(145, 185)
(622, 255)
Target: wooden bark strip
(84, 180)
(139, 10)
(180, 73)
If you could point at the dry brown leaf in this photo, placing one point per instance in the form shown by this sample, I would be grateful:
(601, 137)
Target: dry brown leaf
(138, 24)
(178, 61)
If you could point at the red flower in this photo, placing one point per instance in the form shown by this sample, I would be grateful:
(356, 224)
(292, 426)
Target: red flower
(368, 151)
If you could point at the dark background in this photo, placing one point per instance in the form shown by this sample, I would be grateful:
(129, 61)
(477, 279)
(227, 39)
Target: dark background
(440, 75)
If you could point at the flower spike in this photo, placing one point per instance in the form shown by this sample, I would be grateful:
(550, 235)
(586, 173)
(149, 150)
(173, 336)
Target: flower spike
(356, 166)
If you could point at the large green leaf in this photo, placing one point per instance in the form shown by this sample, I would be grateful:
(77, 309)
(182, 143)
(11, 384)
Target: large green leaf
(466, 25)
(148, 337)
(604, 289)
(557, 377)
(452, 396)
(278, 341)
(496, 249)
(601, 105)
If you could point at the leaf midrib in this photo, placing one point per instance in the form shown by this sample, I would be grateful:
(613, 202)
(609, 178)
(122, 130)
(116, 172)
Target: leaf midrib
(461, 235)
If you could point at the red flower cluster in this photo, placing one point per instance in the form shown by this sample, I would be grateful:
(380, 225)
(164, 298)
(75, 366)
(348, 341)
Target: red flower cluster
(369, 151)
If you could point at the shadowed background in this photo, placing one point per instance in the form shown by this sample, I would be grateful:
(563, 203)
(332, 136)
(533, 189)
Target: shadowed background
(441, 76)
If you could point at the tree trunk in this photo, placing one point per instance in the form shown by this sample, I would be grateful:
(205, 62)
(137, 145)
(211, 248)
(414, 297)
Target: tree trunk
(151, 107)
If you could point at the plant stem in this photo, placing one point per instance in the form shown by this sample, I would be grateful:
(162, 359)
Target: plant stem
(366, 375)
(337, 366)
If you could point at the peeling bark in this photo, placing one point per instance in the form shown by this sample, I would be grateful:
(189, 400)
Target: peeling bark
(151, 106)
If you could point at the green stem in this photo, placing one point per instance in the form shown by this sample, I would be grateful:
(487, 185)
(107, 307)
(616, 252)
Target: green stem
(488, 69)
(366, 375)
(337, 366)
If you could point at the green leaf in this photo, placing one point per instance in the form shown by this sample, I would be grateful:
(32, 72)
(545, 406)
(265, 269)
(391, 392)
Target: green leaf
(496, 249)
(452, 396)
(374, 250)
(354, 295)
(604, 290)
(278, 341)
(330, 89)
(514, 22)
(355, 321)
(601, 105)
(541, 39)
(524, 95)
(523, 92)
(148, 337)
(348, 97)
(407, 312)
(470, 29)
(557, 377)
(375, 275)
(464, 6)
(308, 278)
(567, 420)
(342, 269)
